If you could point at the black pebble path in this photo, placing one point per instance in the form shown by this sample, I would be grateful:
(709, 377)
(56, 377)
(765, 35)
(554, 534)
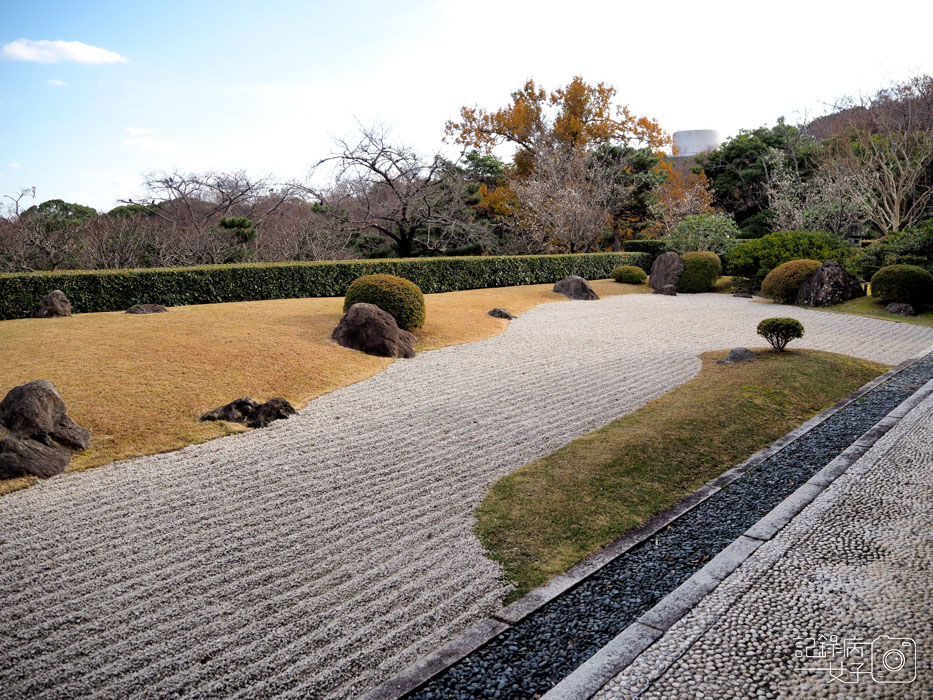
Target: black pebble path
(529, 659)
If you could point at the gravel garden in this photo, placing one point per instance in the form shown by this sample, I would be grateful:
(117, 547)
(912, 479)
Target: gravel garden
(324, 553)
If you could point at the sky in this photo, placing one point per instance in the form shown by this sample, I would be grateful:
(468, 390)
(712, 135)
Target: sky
(95, 94)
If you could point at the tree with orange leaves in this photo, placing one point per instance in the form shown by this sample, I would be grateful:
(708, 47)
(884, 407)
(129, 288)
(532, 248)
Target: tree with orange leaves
(571, 125)
(683, 194)
(577, 116)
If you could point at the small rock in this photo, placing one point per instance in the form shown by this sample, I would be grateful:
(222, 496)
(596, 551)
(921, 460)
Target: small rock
(669, 290)
(743, 294)
(147, 309)
(271, 410)
(737, 355)
(237, 411)
(576, 288)
(37, 436)
(54, 304)
(665, 270)
(896, 307)
(250, 413)
(368, 328)
(501, 313)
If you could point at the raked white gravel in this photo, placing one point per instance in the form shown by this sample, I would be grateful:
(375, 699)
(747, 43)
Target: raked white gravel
(321, 555)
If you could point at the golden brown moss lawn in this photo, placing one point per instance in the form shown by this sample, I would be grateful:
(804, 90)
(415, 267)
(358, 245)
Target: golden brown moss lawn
(139, 383)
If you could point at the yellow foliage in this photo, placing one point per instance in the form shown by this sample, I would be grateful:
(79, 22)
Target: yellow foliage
(586, 115)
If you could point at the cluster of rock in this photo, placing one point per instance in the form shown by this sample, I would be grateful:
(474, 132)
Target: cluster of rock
(666, 271)
(56, 305)
(37, 437)
(830, 284)
(251, 413)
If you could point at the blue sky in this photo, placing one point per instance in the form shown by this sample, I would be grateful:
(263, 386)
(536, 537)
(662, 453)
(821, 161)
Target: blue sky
(265, 86)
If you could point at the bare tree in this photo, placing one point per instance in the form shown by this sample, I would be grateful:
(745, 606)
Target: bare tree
(118, 242)
(31, 241)
(300, 230)
(418, 203)
(883, 160)
(563, 206)
(193, 203)
(820, 203)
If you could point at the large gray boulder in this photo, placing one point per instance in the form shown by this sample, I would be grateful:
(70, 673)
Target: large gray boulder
(37, 436)
(368, 328)
(666, 270)
(576, 288)
(829, 284)
(54, 304)
(251, 413)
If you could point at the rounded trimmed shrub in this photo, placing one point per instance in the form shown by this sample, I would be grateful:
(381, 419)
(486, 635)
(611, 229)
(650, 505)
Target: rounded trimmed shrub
(701, 270)
(908, 284)
(780, 331)
(784, 281)
(629, 274)
(396, 296)
(757, 257)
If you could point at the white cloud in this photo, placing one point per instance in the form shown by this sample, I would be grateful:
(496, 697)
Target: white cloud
(55, 82)
(44, 51)
(151, 144)
(15, 165)
(136, 131)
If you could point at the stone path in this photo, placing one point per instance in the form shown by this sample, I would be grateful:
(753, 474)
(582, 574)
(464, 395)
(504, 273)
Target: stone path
(856, 563)
(322, 555)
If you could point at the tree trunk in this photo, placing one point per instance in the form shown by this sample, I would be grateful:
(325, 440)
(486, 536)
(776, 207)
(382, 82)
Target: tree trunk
(404, 245)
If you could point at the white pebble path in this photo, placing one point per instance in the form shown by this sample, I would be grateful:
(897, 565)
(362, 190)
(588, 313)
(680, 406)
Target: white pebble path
(323, 554)
(855, 563)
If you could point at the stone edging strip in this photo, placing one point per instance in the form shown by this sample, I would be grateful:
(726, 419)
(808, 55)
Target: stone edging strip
(616, 656)
(620, 652)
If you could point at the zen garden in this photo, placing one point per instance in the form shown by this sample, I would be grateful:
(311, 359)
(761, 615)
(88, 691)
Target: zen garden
(579, 411)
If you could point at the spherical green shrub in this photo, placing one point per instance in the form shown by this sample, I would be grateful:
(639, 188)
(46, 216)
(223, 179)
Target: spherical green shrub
(701, 270)
(780, 331)
(629, 274)
(784, 281)
(908, 284)
(394, 295)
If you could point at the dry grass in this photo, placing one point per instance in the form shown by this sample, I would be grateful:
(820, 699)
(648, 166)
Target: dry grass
(541, 519)
(139, 383)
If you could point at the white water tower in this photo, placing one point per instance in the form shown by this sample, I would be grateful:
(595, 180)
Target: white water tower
(696, 141)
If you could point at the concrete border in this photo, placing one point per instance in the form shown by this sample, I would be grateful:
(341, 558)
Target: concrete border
(626, 644)
(590, 677)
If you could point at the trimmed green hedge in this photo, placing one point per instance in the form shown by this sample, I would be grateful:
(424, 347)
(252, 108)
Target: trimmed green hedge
(653, 248)
(117, 290)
